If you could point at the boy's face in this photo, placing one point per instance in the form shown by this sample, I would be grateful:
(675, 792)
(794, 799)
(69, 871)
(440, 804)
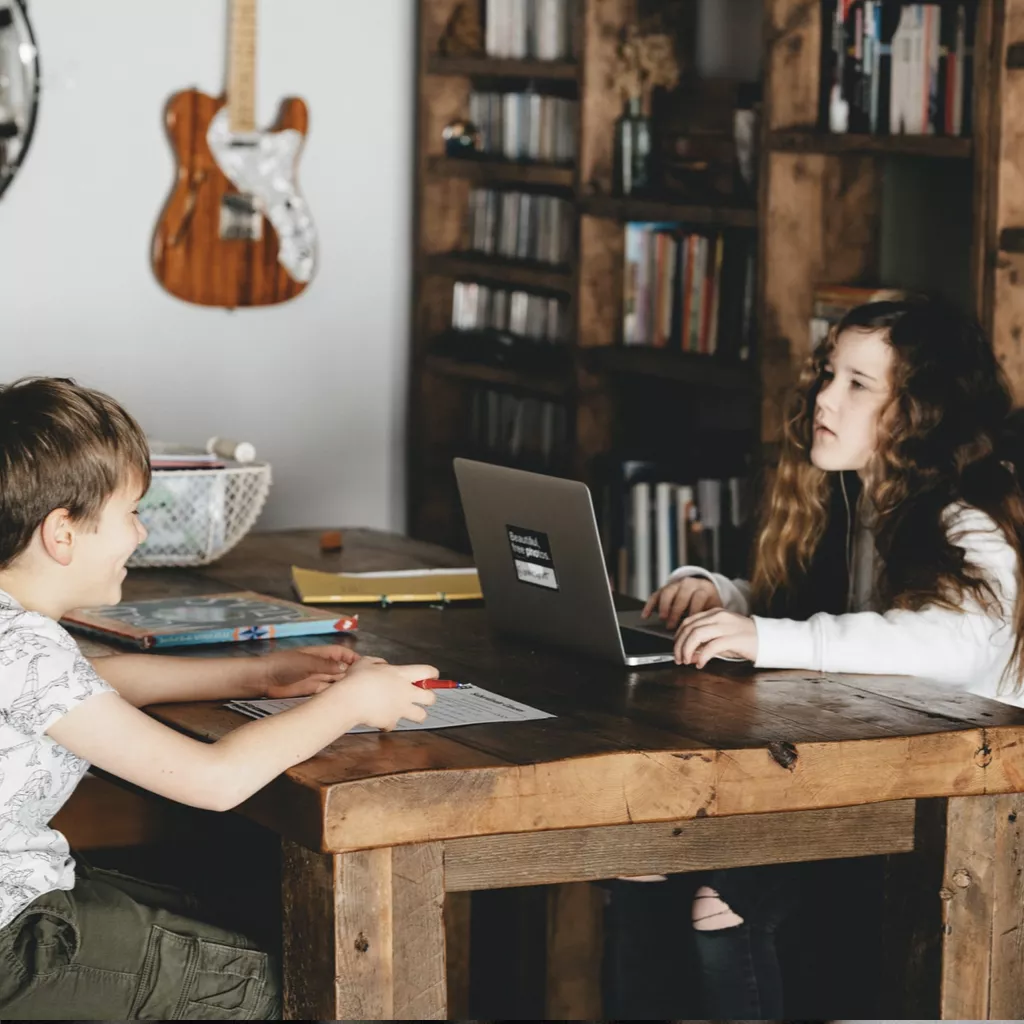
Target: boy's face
(102, 550)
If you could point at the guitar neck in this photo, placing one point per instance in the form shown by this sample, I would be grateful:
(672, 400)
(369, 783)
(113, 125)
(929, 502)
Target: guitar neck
(242, 66)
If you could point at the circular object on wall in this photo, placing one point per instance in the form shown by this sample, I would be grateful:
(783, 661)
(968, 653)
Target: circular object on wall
(19, 87)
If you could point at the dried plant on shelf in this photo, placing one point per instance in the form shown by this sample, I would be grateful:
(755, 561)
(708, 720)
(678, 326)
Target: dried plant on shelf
(643, 63)
(463, 34)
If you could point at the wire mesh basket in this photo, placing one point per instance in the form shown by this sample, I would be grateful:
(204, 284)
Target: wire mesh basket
(194, 516)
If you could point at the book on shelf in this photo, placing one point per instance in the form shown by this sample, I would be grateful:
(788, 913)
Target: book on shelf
(504, 427)
(892, 67)
(833, 301)
(530, 29)
(522, 314)
(688, 291)
(520, 225)
(525, 125)
(665, 523)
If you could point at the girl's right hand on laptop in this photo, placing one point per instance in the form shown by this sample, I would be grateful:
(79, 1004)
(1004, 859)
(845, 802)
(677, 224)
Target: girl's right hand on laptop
(378, 694)
(680, 598)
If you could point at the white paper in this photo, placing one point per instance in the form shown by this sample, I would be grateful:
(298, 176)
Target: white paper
(408, 573)
(471, 706)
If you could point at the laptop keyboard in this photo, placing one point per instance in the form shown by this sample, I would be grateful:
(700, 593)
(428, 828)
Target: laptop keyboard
(637, 642)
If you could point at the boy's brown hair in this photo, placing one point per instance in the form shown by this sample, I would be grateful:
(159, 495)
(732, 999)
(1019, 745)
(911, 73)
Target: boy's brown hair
(61, 446)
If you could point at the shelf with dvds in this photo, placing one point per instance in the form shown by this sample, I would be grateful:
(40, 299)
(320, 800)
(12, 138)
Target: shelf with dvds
(515, 380)
(937, 146)
(483, 171)
(633, 208)
(692, 369)
(498, 269)
(483, 66)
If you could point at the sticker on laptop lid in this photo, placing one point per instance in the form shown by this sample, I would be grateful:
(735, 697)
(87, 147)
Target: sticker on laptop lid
(531, 553)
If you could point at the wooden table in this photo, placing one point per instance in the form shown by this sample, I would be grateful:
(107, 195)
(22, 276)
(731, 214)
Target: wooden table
(657, 770)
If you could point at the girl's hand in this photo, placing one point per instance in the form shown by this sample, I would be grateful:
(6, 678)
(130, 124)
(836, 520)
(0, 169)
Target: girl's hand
(687, 596)
(715, 634)
(306, 670)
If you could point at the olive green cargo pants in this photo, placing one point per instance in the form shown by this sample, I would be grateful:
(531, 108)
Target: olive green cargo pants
(116, 948)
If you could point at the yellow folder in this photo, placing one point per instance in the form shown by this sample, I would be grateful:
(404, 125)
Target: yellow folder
(437, 585)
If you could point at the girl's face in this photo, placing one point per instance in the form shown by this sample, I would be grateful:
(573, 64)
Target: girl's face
(855, 391)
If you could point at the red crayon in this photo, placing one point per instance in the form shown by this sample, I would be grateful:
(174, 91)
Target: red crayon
(440, 684)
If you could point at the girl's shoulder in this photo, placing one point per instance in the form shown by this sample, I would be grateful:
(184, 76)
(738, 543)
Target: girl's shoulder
(959, 515)
(981, 537)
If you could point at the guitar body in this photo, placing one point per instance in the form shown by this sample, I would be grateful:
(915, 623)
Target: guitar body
(234, 231)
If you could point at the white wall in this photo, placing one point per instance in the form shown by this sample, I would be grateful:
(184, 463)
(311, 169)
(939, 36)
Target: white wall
(317, 384)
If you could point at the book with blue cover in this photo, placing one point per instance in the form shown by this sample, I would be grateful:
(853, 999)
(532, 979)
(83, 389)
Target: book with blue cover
(205, 619)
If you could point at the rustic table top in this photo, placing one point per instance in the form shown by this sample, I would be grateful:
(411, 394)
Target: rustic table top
(627, 745)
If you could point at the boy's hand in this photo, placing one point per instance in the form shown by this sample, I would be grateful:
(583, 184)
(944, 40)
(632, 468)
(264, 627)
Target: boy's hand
(378, 694)
(687, 596)
(306, 670)
(715, 634)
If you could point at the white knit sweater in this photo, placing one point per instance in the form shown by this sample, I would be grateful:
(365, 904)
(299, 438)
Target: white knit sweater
(969, 648)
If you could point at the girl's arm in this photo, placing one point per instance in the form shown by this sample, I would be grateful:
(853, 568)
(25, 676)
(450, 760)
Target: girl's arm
(734, 594)
(965, 646)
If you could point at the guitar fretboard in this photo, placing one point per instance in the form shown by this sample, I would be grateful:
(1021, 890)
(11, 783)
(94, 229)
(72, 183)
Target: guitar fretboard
(242, 66)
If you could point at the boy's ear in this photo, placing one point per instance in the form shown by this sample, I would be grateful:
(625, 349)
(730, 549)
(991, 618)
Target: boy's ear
(57, 534)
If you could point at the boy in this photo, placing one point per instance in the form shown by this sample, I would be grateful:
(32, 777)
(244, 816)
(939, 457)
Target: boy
(73, 467)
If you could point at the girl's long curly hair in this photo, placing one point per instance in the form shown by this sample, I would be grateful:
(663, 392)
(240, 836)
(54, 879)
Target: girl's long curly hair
(946, 435)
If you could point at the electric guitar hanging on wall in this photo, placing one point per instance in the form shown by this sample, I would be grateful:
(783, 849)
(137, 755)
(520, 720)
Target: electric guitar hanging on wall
(235, 231)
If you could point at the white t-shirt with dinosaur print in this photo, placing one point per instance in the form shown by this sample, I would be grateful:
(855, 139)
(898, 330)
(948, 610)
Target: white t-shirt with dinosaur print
(43, 675)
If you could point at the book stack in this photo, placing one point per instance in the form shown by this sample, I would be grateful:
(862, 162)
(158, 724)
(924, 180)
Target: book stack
(898, 68)
(688, 292)
(833, 301)
(505, 427)
(538, 29)
(520, 225)
(525, 125)
(668, 524)
(480, 307)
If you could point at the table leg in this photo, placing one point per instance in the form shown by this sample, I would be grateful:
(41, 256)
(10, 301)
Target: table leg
(983, 908)
(953, 930)
(364, 934)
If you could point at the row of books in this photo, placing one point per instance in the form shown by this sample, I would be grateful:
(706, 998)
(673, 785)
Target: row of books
(480, 307)
(508, 427)
(541, 29)
(668, 524)
(833, 301)
(520, 225)
(687, 291)
(892, 67)
(525, 125)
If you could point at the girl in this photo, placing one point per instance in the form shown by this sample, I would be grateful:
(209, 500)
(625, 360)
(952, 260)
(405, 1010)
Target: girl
(891, 543)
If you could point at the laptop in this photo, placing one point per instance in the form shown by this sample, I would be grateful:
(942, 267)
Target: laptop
(542, 573)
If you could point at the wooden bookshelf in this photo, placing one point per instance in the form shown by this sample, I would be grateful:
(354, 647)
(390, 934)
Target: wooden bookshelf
(818, 217)
(599, 369)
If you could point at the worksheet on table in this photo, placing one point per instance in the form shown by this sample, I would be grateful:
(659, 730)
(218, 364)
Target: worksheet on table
(470, 706)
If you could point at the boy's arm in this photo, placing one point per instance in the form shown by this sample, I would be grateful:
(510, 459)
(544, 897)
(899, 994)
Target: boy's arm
(143, 679)
(110, 733)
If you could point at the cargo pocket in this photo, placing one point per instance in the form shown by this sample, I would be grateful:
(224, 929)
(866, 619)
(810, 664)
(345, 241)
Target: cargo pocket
(45, 935)
(190, 978)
